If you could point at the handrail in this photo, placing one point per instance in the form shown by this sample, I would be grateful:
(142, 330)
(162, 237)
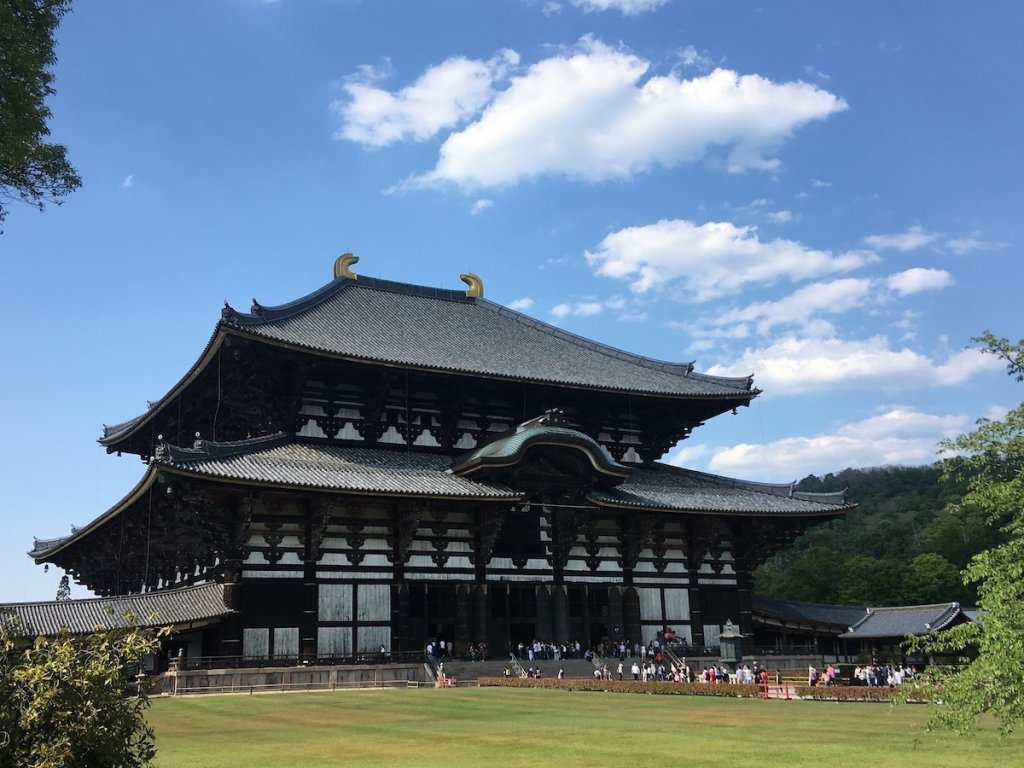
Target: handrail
(516, 667)
(263, 660)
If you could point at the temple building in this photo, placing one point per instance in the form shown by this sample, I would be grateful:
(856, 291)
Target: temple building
(377, 463)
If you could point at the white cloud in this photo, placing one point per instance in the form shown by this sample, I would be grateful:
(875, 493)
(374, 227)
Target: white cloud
(900, 435)
(519, 304)
(815, 72)
(914, 238)
(625, 7)
(819, 184)
(129, 181)
(590, 307)
(973, 242)
(780, 217)
(691, 57)
(797, 365)
(710, 260)
(443, 96)
(919, 279)
(481, 205)
(595, 114)
(834, 297)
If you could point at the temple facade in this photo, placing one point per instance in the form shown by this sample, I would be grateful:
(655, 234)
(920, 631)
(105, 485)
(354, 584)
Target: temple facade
(379, 463)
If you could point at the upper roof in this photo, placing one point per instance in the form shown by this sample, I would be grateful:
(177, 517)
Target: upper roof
(437, 329)
(808, 613)
(900, 621)
(434, 329)
(172, 607)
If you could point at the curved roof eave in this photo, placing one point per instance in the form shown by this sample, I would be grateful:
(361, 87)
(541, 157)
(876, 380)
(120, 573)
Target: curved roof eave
(57, 545)
(118, 432)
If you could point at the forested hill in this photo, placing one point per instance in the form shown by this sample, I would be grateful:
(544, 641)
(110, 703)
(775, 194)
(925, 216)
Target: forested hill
(900, 546)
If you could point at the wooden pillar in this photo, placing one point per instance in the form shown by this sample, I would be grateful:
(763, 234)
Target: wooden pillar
(631, 614)
(560, 614)
(543, 626)
(480, 606)
(231, 625)
(400, 629)
(463, 621)
(616, 617)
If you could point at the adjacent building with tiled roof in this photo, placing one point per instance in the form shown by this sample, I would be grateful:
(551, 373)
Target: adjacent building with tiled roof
(378, 463)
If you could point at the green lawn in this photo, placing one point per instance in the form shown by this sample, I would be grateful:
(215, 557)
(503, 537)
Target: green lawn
(507, 728)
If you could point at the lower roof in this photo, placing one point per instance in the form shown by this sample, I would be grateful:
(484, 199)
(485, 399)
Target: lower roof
(172, 607)
(281, 462)
(903, 620)
(840, 617)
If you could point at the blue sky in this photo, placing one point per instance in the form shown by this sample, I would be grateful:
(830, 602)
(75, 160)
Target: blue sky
(824, 194)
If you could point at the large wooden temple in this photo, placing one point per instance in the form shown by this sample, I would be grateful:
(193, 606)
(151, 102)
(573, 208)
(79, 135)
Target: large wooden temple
(380, 463)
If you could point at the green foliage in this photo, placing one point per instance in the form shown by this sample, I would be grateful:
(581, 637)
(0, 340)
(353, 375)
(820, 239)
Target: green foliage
(71, 701)
(904, 544)
(991, 462)
(31, 169)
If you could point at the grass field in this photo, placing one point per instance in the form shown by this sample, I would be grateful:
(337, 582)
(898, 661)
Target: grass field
(507, 728)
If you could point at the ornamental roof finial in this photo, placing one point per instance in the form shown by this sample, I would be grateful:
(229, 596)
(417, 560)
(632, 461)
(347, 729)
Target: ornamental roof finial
(343, 266)
(476, 285)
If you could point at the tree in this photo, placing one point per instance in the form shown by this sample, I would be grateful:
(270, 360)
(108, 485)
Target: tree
(991, 681)
(31, 169)
(64, 588)
(71, 700)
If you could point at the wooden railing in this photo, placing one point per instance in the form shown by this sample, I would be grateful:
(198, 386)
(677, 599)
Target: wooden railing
(260, 661)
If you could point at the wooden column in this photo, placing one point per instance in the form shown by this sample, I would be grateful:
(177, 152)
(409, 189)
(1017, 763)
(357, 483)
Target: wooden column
(480, 606)
(463, 618)
(631, 614)
(544, 630)
(560, 614)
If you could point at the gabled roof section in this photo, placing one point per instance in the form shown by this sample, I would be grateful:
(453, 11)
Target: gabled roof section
(510, 447)
(900, 621)
(171, 607)
(664, 487)
(443, 330)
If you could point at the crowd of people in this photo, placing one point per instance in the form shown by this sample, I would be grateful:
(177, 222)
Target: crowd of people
(442, 649)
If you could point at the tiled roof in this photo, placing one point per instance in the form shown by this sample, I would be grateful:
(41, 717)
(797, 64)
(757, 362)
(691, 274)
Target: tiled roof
(661, 486)
(276, 460)
(905, 620)
(172, 607)
(444, 330)
(809, 613)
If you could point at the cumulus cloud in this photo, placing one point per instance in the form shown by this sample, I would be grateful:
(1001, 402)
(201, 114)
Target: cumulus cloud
(709, 260)
(595, 114)
(915, 237)
(481, 205)
(518, 304)
(901, 435)
(625, 7)
(442, 97)
(577, 309)
(799, 364)
(128, 181)
(919, 279)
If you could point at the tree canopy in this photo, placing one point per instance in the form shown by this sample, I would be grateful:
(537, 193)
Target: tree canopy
(32, 169)
(990, 460)
(70, 700)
